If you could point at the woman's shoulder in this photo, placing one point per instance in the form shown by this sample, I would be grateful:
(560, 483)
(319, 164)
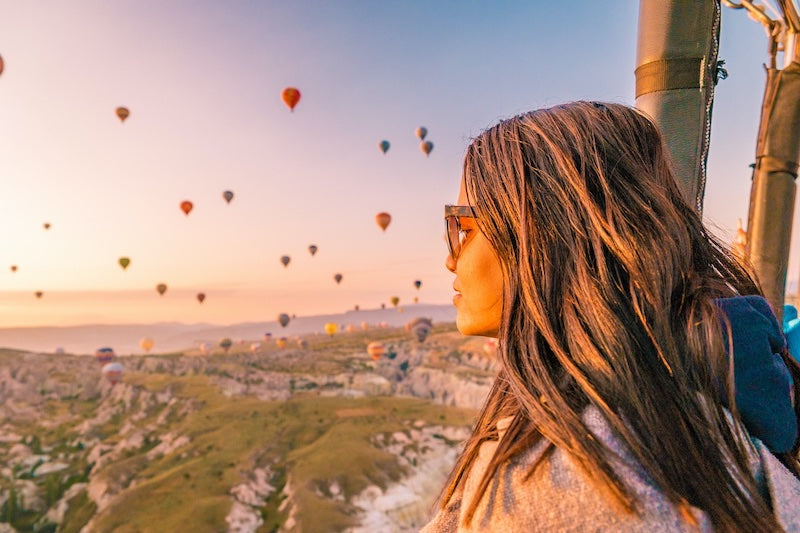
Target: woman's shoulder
(561, 496)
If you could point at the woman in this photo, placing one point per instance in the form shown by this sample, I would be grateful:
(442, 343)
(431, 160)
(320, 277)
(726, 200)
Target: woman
(615, 408)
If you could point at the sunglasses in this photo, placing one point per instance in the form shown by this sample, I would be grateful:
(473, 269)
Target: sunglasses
(452, 227)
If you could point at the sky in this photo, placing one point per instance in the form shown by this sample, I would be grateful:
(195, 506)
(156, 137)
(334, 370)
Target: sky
(203, 79)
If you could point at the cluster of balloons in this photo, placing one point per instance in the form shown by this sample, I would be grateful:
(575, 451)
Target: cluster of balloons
(421, 133)
(111, 370)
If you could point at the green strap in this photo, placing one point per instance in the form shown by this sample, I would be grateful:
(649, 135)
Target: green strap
(669, 74)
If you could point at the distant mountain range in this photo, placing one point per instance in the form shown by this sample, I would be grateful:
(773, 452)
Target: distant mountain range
(173, 336)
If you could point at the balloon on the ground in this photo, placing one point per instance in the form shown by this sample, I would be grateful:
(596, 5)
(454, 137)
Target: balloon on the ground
(420, 327)
(417, 284)
(426, 147)
(225, 343)
(60, 351)
(146, 344)
(124, 262)
(186, 207)
(312, 249)
(255, 347)
(290, 97)
(337, 278)
(268, 336)
(285, 260)
(104, 355)
(395, 300)
(376, 350)
(350, 328)
(283, 319)
(123, 113)
(364, 326)
(228, 195)
(281, 342)
(205, 347)
(161, 288)
(383, 220)
(113, 372)
(421, 132)
(331, 328)
(201, 297)
(384, 146)
(302, 343)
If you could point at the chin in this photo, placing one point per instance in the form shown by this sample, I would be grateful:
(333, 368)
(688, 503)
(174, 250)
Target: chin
(472, 328)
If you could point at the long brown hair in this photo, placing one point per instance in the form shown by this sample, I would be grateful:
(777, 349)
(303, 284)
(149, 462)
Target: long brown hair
(609, 281)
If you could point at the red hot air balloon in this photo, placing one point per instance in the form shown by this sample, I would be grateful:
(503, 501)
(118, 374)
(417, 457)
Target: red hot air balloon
(383, 220)
(201, 296)
(186, 207)
(290, 97)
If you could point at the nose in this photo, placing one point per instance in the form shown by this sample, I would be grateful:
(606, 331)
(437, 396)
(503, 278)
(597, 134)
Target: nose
(450, 263)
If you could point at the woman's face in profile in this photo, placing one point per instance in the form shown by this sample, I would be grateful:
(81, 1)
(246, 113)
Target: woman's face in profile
(479, 281)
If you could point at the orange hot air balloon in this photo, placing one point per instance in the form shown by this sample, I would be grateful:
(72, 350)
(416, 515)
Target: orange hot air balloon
(161, 288)
(146, 344)
(281, 342)
(331, 328)
(375, 350)
(201, 296)
(426, 147)
(13, 268)
(186, 207)
(122, 113)
(38, 294)
(383, 220)
(46, 225)
(290, 97)
(395, 300)
(350, 328)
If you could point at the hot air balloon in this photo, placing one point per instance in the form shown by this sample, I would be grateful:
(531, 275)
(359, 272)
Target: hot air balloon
(302, 344)
(205, 347)
(60, 351)
(186, 207)
(2, 64)
(364, 326)
(421, 132)
(285, 260)
(283, 319)
(201, 296)
(38, 294)
(113, 372)
(395, 300)
(383, 306)
(290, 97)
(383, 325)
(384, 146)
(357, 307)
(161, 288)
(417, 284)
(228, 195)
(267, 336)
(13, 268)
(350, 328)
(337, 278)
(281, 342)
(383, 220)
(124, 262)
(146, 344)
(490, 346)
(416, 299)
(426, 147)
(331, 328)
(375, 350)
(104, 355)
(255, 347)
(312, 249)
(46, 225)
(122, 113)
(225, 343)
(420, 328)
